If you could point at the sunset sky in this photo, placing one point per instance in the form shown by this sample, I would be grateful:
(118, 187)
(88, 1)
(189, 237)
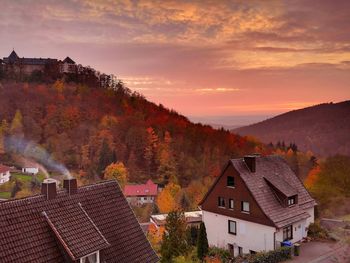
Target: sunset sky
(201, 58)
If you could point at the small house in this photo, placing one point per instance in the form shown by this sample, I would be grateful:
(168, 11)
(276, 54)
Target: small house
(4, 174)
(139, 194)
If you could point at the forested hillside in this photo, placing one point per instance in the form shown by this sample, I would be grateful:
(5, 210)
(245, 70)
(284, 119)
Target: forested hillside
(323, 129)
(86, 128)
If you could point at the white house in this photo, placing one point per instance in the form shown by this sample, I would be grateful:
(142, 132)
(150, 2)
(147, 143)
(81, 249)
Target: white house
(30, 170)
(255, 204)
(4, 174)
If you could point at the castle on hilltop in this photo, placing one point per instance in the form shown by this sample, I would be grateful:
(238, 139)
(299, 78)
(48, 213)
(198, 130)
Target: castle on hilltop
(27, 66)
(14, 67)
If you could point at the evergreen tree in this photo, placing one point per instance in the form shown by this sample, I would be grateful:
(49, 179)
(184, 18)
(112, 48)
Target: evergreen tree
(106, 157)
(202, 243)
(174, 238)
(16, 188)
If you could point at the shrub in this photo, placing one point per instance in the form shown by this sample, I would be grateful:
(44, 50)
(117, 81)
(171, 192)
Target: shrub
(316, 231)
(273, 256)
(223, 254)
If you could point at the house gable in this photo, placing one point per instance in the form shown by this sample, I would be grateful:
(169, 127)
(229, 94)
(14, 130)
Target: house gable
(240, 192)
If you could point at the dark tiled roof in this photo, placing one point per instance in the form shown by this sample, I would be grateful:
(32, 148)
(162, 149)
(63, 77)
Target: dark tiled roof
(26, 235)
(276, 170)
(281, 185)
(75, 230)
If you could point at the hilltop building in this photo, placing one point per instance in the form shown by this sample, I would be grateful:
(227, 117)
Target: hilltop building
(256, 204)
(92, 223)
(27, 66)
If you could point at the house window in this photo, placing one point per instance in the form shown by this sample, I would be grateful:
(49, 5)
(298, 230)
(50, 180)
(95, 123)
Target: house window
(252, 252)
(221, 202)
(231, 250)
(230, 181)
(240, 251)
(232, 227)
(291, 200)
(245, 207)
(231, 204)
(288, 233)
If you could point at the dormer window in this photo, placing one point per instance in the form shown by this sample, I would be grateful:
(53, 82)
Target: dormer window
(230, 181)
(92, 258)
(291, 201)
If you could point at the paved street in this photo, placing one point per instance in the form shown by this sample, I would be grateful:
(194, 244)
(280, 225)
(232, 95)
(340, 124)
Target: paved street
(323, 252)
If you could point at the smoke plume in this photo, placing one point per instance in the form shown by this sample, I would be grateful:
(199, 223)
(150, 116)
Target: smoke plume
(29, 150)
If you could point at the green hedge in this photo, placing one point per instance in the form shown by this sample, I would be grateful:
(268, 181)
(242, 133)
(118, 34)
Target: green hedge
(274, 256)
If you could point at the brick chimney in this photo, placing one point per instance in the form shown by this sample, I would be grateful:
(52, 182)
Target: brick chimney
(48, 188)
(250, 161)
(70, 185)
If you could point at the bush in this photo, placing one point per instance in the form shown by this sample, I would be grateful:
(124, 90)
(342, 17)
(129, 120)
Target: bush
(316, 231)
(223, 254)
(273, 256)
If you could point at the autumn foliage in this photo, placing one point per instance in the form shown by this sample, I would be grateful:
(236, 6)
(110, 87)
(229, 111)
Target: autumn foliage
(87, 128)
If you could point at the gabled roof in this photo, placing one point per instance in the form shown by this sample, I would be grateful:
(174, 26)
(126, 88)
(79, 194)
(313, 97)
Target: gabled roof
(147, 189)
(4, 168)
(75, 230)
(13, 56)
(96, 217)
(273, 169)
(68, 60)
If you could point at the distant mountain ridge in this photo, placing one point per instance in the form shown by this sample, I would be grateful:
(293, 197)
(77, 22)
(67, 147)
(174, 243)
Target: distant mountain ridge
(323, 129)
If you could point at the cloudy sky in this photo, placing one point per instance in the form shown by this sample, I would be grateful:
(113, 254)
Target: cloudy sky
(201, 58)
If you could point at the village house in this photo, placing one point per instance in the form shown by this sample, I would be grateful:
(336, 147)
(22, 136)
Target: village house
(256, 204)
(30, 170)
(193, 219)
(4, 174)
(139, 194)
(92, 223)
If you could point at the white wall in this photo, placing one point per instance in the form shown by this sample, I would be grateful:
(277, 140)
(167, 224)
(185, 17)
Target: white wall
(298, 232)
(250, 236)
(4, 177)
(311, 219)
(30, 170)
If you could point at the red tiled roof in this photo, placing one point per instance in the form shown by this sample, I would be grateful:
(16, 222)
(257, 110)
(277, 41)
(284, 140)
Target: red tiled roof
(96, 217)
(4, 168)
(148, 189)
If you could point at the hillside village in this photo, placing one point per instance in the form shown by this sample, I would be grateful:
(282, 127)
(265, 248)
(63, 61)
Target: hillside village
(255, 207)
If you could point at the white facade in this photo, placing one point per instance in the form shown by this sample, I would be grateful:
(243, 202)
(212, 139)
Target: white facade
(250, 236)
(140, 200)
(4, 177)
(30, 170)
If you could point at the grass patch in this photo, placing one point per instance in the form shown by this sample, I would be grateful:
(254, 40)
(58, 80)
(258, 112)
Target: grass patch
(5, 195)
(22, 177)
